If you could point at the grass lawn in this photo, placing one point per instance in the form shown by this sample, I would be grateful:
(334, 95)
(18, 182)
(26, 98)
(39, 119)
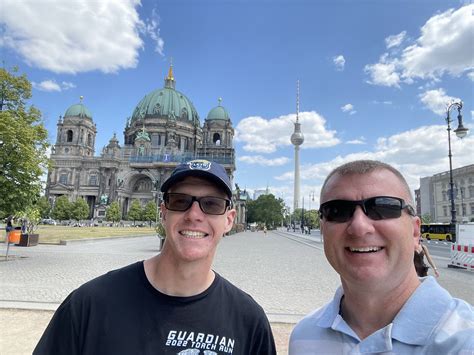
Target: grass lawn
(54, 234)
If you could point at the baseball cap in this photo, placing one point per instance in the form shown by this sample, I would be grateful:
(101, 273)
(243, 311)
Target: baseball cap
(200, 168)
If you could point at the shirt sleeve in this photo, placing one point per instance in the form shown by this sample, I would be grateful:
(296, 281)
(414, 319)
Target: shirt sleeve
(61, 335)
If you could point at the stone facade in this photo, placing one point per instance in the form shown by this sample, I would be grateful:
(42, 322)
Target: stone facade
(434, 197)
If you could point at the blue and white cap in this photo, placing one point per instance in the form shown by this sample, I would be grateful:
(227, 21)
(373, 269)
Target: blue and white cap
(200, 168)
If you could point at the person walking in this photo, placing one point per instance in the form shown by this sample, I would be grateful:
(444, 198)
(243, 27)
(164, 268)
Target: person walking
(172, 303)
(419, 260)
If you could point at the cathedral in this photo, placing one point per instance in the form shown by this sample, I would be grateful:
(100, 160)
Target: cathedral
(163, 131)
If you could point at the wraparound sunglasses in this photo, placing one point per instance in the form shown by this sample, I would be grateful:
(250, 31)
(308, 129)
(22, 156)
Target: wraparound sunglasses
(376, 208)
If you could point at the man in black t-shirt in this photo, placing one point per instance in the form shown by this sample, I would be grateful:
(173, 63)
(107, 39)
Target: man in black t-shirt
(172, 303)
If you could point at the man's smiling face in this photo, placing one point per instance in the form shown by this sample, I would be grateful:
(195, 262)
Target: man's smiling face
(193, 235)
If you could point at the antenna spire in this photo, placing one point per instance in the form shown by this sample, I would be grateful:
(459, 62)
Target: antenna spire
(297, 99)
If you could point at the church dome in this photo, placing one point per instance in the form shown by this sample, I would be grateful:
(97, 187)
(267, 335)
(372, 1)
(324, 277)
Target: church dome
(218, 113)
(166, 102)
(78, 110)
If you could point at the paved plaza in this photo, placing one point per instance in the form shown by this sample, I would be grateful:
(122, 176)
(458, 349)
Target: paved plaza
(286, 273)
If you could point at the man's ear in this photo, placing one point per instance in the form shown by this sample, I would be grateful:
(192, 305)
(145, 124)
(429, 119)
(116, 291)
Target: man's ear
(163, 212)
(416, 230)
(230, 216)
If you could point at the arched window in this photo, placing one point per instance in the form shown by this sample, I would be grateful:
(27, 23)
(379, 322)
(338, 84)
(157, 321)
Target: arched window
(216, 139)
(89, 139)
(69, 136)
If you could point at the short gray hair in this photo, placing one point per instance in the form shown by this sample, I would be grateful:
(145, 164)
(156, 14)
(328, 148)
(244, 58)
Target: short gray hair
(364, 167)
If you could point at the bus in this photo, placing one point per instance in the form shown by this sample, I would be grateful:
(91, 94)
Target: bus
(438, 231)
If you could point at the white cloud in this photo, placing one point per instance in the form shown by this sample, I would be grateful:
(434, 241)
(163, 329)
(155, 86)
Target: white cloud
(358, 141)
(76, 36)
(405, 151)
(349, 108)
(52, 85)
(472, 115)
(260, 160)
(470, 75)
(444, 47)
(339, 62)
(384, 72)
(437, 100)
(265, 136)
(150, 28)
(395, 40)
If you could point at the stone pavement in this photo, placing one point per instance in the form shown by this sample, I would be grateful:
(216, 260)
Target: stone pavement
(288, 278)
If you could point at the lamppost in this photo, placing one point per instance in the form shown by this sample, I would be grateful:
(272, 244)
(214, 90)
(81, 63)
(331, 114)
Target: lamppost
(461, 132)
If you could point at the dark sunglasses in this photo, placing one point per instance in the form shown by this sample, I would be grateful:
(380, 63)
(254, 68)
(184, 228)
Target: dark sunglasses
(376, 208)
(208, 204)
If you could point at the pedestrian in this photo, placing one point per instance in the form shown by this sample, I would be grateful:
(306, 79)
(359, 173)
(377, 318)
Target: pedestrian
(264, 231)
(419, 260)
(172, 303)
(370, 231)
(8, 229)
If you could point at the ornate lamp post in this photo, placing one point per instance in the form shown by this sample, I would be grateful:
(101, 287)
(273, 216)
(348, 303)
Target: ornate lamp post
(461, 132)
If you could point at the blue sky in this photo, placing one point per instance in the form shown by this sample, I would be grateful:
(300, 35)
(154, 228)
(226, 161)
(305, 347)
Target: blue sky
(375, 76)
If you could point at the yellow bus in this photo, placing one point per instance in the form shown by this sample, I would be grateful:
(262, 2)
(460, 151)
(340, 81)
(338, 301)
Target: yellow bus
(437, 231)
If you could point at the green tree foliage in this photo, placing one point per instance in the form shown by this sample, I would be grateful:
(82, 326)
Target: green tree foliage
(23, 144)
(80, 209)
(149, 212)
(113, 212)
(311, 219)
(266, 209)
(44, 207)
(426, 218)
(62, 208)
(135, 211)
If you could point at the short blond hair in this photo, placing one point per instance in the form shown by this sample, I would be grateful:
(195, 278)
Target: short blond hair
(362, 167)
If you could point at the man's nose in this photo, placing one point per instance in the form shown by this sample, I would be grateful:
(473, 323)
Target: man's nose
(195, 211)
(360, 224)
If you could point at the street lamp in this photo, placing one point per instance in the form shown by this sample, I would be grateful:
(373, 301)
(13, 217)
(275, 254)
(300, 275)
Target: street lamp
(461, 132)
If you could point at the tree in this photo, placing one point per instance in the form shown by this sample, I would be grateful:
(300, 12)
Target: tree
(62, 208)
(113, 212)
(23, 144)
(426, 218)
(266, 209)
(80, 209)
(44, 207)
(149, 212)
(135, 211)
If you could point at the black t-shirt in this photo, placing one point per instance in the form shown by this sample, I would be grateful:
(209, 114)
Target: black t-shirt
(122, 313)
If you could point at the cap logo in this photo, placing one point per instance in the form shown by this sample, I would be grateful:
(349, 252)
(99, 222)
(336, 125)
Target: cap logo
(199, 164)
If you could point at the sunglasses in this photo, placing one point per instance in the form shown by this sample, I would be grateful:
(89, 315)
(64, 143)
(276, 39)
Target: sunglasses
(208, 204)
(376, 208)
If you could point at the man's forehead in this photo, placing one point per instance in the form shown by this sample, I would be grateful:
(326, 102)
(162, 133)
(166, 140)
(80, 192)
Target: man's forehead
(195, 181)
(379, 181)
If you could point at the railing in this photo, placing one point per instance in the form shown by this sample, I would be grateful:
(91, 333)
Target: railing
(180, 158)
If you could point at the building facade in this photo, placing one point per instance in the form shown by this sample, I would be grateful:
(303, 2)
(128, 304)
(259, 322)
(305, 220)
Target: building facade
(433, 195)
(163, 131)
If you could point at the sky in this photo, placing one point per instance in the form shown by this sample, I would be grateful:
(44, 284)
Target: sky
(375, 77)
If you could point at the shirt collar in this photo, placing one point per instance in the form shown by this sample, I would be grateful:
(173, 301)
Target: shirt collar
(412, 325)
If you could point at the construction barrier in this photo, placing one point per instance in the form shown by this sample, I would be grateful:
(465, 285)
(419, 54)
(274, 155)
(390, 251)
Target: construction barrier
(462, 256)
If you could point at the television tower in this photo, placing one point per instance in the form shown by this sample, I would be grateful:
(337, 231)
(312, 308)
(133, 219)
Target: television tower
(297, 139)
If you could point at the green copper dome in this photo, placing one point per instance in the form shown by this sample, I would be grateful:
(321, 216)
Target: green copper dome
(218, 113)
(167, 102)
(78, 110)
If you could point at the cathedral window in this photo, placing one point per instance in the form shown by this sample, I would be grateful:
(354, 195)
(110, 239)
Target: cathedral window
(93, 180)
(69, 136)
(184, 113)
(89, 139)
(63, 179)
(157, 109)
(216, 139)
